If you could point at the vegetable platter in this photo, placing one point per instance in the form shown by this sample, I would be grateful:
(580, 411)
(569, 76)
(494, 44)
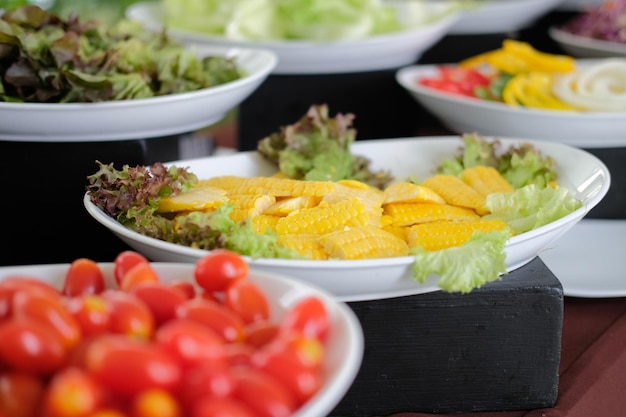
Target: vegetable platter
(586, 178)
(517, 90)
(119, 320)
(349, 37)
(119, 82)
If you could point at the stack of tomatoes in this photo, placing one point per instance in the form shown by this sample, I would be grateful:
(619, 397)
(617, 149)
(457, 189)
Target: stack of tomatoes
(150, 348)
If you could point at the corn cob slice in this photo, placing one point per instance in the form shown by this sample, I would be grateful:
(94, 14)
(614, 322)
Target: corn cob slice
(486, 180)
(370, 196)
(275, 186)
(445, 234)
(203, 198)
(363, 242)
(325, 218)
(308, 245)
(284, 206)
(407, 214)
(247, 206)
(408, 192)
(456, 192)
(400, 231)
(264, 222)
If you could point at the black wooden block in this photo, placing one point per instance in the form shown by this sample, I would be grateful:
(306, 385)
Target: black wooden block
(497, 348)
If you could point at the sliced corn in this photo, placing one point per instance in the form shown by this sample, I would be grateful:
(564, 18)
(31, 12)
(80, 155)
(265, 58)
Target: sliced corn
(407, 214)
(445, 234)
(486, 180)
(408, 192)
(456, 192)
(196, 199)
(325, 218)
(363, 242)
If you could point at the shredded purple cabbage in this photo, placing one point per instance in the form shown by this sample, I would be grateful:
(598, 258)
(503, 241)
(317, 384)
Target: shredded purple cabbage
(605, 22)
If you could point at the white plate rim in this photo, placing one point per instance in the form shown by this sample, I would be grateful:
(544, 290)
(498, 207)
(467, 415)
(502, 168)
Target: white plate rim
(565, 38)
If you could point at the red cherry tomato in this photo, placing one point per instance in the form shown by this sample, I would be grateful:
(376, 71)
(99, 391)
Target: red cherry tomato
(128, 366)
(72, 392)
(216, 316)
(161, 300)
(49, 311)
(128, 314)
(20, 394)
(138, 274)
(262, 393)
(155, 403)
(190, 342)
(124, 261)
(220, 406)
(29, 345)
(185, 287)
(247, 300)
(205, 381)
(27, 283)
(84, 276)
(91, 312)
(260, 333)
(309, 317)
(218, 269)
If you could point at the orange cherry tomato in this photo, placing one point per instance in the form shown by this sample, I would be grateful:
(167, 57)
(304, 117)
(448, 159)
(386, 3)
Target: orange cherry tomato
(29, 345)
(216, 316)
(218, 269)
(20, 394)
(124, 261)
(72, 392)
(247, 300)
(138, 274)
(309, 317)
(128, 314)
(161, 300)
(49, 311)
(155, 403)
(84, 276)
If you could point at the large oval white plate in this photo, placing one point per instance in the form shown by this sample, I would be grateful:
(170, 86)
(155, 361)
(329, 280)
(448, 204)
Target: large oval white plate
(590, 259)
(359, 280)
(345, 343)
(304, 57)
(466, 114)
(142, 118)
(501, 16)
(585, 47)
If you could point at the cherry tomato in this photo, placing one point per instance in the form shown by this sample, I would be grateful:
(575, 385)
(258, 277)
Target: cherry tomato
(262, 393)
(20, 394)
(309, 317)
(303, 351)
(155, 403)
(91, 312)
(238, 353)
(128, 366)
(190, 342)
(216, 316)
(124, 261)
(161, 300)
(206, 381)
(261, 332)
(220, 406)
(29, 284)
(72, 392)
(29, 345)
(49, 311)
(84, 276)
(247, 300)
(138, 274)
(128, 314)
(219, 269)
(184, 287)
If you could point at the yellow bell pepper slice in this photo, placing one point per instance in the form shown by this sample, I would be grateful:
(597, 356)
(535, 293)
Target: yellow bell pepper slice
(537, 60)
(533, 90)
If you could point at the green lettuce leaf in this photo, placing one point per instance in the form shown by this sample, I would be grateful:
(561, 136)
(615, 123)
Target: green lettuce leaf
(480, 260)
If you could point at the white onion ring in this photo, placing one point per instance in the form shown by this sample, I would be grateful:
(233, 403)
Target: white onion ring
(601, 87)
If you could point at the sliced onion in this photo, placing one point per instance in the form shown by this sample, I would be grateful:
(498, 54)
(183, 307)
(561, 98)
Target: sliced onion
(601, 87)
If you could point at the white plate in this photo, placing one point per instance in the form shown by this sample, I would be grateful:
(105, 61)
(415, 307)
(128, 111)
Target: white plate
(345, 343)
(359, 280)
(590, 259)
(142, 118)
(467, 114)
(578, 5)
(304, 57)
(501, 16)
(585, 47)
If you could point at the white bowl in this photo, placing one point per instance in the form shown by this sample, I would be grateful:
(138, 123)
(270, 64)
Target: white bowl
(379, 52)
(467, 114)
(359, 280)
(141, 118)
(586, 47)
(501, 16)
(345, 341)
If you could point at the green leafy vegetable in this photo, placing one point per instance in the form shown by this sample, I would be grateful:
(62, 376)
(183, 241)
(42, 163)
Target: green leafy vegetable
(46, 59)
(317, 147)
(463, 268)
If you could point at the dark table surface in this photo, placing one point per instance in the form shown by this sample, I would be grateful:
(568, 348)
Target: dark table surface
(45, 221)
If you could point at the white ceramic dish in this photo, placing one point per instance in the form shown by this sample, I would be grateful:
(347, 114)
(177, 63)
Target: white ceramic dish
(345, 341)
(359, 280)
(589, 259)
(142, 118)
(501, 16)
(585, 47)
(578, 5)
(466, 114)
(304, 57)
